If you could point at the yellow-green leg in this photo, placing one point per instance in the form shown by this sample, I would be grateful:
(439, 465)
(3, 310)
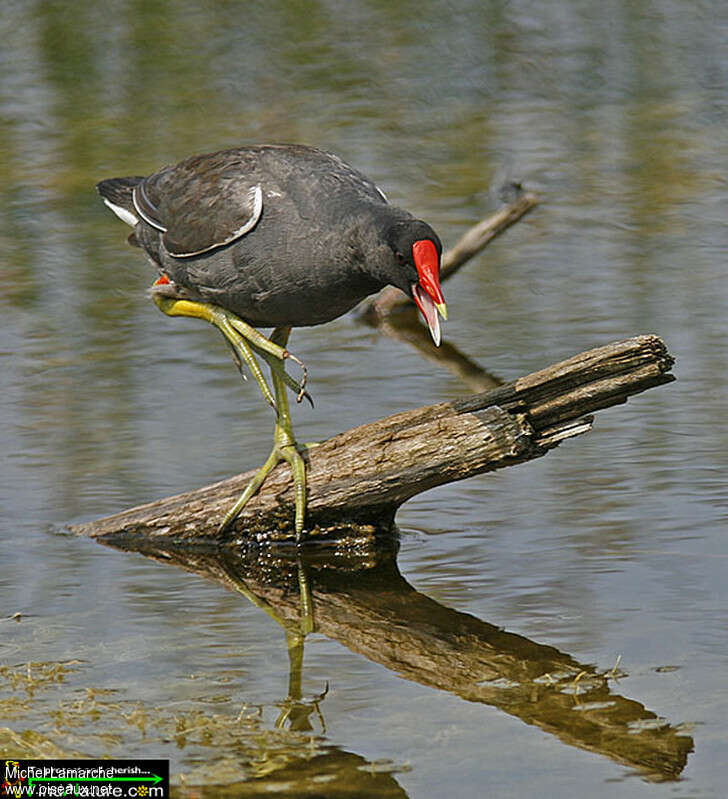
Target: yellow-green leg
(284, 443)
(284, 448)
(295, 711)
(242, 336)
(244, 339)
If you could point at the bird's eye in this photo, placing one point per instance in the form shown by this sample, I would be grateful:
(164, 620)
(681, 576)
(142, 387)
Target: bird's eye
(400, 258)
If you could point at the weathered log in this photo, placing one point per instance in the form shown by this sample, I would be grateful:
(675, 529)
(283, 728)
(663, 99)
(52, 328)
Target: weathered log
(359, 478)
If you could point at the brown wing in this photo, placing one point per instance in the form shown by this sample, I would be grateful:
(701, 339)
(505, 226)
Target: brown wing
(202, 203)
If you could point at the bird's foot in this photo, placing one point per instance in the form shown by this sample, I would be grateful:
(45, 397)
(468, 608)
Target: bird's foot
(304, 377)
(286, 451)
(281, 452)
(273, 352)
(242, 337)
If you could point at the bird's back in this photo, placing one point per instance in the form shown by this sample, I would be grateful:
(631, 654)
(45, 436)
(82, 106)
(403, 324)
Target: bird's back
(274, 233)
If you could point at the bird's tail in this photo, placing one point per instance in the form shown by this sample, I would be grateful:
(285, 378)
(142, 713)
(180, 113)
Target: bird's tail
(117, 194)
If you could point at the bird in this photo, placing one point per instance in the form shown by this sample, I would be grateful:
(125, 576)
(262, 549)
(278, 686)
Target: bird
(274, 236)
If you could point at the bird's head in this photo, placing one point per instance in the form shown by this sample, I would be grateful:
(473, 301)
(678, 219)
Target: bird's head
(417, 250)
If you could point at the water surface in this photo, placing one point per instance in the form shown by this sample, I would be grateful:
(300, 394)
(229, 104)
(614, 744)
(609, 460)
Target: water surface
(611, 547)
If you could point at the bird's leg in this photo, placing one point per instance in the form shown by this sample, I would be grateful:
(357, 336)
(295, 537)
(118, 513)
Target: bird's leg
(220, 318)
(284, 429)
(242, 337)
(271, 347)
(284, 448)
(284, 442)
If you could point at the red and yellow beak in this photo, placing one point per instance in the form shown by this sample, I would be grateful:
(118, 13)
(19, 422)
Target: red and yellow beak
(427, 293)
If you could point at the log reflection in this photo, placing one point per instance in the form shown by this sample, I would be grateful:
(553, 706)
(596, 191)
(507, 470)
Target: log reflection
(363, 602)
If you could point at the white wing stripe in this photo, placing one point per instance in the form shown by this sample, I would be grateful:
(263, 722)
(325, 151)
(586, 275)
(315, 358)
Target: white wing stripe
(256, 194)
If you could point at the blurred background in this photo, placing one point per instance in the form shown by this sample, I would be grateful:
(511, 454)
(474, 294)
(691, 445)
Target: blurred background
(614, 545)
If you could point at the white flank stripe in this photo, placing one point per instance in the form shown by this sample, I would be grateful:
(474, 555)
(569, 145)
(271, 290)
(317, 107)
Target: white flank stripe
(256, 195)
(140, 211)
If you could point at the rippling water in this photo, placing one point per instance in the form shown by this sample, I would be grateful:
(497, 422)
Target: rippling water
(612, 546)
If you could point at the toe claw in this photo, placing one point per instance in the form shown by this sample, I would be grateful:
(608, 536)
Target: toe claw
(303, 394)
(302, 365)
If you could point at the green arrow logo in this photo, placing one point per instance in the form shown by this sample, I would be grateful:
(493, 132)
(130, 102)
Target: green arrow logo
(154, 779)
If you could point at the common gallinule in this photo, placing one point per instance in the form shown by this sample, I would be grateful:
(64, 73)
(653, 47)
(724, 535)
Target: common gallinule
(275, 236)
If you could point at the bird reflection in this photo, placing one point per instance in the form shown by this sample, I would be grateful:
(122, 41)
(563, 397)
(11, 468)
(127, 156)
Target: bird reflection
(361, 600)
(296, 711)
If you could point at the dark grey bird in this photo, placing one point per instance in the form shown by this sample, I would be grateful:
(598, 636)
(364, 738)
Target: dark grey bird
(275, 236)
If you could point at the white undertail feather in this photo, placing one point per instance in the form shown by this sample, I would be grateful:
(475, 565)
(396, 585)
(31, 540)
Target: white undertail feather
(122, 213)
